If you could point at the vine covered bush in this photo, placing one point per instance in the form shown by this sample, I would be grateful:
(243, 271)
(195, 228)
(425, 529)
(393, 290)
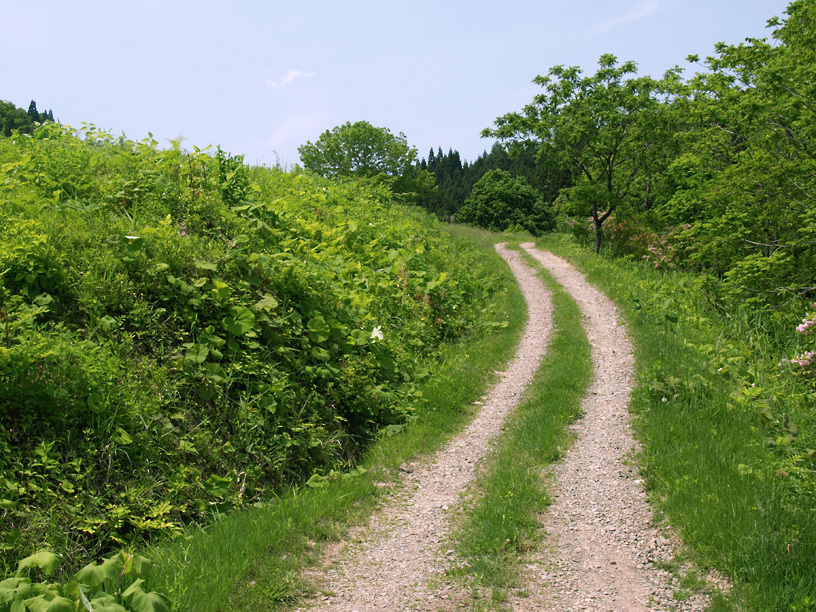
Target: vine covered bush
(181, 334)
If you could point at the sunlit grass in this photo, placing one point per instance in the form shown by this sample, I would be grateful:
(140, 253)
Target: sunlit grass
(710, 458)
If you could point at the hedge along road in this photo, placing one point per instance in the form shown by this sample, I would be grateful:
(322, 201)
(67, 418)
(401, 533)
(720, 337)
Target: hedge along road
(602, 546)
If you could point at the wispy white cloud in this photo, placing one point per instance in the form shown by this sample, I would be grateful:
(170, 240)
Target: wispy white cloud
(643, 9)
(287, 78)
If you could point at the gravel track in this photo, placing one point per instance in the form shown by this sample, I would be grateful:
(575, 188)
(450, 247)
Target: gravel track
(603, 551)
(393, 563)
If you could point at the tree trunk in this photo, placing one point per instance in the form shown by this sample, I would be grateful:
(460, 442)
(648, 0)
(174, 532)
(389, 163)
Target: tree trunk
(598, 235)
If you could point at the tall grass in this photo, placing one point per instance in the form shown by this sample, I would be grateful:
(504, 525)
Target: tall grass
(254, 559)
(715, 415)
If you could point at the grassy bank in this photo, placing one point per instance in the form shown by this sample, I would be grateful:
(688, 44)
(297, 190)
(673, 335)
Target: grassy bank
(182, 335)
(254, 558)
(727, 434)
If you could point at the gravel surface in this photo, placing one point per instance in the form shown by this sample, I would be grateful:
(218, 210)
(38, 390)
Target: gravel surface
(398, 561)
(603, 551)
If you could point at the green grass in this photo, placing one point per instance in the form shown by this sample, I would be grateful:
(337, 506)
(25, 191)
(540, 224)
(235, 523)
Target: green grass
(712, 408)
(502, 522)
(254, 559)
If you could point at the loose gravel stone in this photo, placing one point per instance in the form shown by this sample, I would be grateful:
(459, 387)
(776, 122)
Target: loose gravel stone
(602, 550)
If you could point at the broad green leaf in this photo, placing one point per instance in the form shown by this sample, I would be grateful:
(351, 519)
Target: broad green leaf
(204, 265)
(319, 330)
(241, 321)
(15, 588)
(108, 323)
(95, 575)
(220, 291)
(43, 603)
(320, 354)
(197, 353)
(187, 447)
(215, 373)
(137, 566)
(139, 601)
(43, 299)
(267, 303)
(316, 481)
(48, 562)
(120, 436)
(134, 243)
(106, 603)
(216, 485)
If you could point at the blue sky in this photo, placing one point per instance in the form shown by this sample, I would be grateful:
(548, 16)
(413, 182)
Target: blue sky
(261, 78)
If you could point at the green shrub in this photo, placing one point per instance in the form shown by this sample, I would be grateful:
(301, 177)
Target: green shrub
(181, 334)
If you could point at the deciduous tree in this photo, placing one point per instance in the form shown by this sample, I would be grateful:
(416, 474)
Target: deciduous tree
(358, 149)
(603, 127)
(500, 201)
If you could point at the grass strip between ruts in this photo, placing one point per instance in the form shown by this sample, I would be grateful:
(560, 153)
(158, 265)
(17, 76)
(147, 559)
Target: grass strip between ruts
(255, 558)
(501, 522)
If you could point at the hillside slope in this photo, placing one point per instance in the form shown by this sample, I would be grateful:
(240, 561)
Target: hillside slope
(182, 334)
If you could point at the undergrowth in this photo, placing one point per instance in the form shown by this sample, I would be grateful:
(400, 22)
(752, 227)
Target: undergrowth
(269, 547)
(182, 335)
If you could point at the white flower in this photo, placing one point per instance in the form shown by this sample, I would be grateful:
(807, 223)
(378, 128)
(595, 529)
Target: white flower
(376, 334)
(665, 400)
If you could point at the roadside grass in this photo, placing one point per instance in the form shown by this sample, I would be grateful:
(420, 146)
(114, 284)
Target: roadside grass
(256, 558)
(721, 457)
(501, 522)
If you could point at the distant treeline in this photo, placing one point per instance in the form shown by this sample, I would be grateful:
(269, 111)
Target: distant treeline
(14, 118)
(455, 178)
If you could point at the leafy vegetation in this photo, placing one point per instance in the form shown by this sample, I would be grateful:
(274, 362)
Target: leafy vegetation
(16, 119)
(268, 546)
(501, 201)
(115, 585)
(455, 178)
(364, 151)
(182, 334)
(603, 128)
(713, 173)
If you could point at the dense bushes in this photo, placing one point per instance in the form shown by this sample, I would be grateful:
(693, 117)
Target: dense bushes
(501, 201)
(181, 333)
